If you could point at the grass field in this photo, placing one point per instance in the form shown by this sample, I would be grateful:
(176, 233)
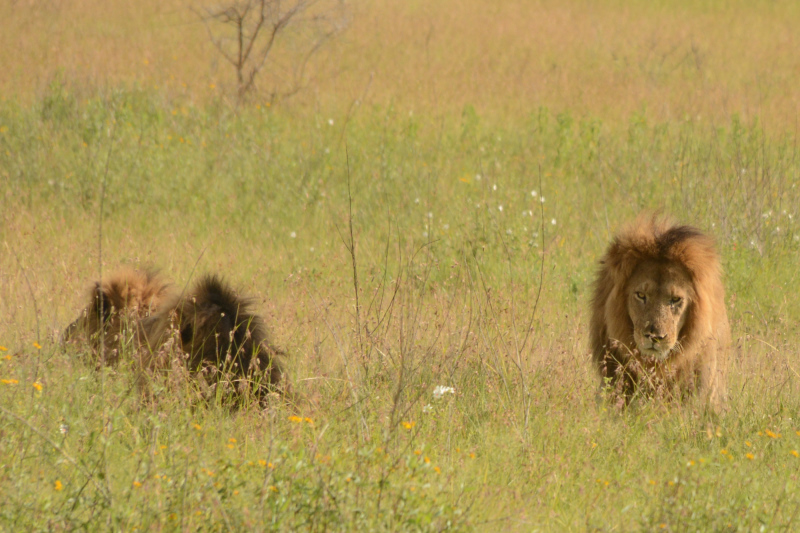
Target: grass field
(476, 159)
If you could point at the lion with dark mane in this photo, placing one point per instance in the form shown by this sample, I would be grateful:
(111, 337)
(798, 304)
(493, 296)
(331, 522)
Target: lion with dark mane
(136, 317)
(659, 324)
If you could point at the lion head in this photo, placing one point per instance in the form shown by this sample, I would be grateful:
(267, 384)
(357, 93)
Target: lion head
(115, 306)
(659, 296)
(658, 313)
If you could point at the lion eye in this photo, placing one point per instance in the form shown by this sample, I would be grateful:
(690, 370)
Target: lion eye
(640, 295)
(675, 300)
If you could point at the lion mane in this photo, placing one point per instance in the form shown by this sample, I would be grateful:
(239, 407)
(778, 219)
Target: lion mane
(135, 316)
(676, 270)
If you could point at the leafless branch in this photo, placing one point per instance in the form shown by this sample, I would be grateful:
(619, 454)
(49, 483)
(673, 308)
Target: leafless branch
(246, 32)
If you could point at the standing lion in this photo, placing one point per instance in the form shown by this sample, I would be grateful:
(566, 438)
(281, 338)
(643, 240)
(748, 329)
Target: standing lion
(659, 324)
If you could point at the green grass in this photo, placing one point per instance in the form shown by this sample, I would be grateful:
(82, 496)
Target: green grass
(448, 285)
(423, 134)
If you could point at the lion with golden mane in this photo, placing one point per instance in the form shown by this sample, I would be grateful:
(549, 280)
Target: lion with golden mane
(659, 325)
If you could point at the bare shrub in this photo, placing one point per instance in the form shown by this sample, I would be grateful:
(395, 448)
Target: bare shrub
(249, 33)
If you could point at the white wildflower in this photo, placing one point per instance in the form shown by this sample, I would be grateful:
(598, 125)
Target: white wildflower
(441, 390)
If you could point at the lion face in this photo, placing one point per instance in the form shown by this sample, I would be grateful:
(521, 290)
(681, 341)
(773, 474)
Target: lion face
(660, 295)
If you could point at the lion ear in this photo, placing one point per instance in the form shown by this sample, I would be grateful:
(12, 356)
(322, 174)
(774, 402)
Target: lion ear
(101, 303)
(620, 260)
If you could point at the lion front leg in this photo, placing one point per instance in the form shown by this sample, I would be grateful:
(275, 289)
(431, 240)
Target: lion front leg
(713, 387)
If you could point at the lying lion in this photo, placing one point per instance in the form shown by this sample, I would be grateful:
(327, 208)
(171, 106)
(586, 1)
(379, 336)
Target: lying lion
(209, 328)
(659, 324)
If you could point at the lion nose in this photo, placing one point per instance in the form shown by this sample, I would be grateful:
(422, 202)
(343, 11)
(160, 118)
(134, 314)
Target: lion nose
(652, 334)
(654, 337)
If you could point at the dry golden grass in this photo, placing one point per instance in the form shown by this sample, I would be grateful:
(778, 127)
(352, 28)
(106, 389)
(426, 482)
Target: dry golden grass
(607, 59)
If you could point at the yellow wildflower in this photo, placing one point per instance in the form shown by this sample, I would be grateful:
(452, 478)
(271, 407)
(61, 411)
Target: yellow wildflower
(9, 381)
(58, 485)
(437, 469)
(198, 427)
(794, 452)
(408, 425)
(295, 419)
(3, 349)
(37, 345)
(750, 456)
(37, 386)
(137, 484)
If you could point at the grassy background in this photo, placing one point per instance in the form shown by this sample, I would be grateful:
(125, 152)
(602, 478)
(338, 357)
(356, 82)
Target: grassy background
(429, 127)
